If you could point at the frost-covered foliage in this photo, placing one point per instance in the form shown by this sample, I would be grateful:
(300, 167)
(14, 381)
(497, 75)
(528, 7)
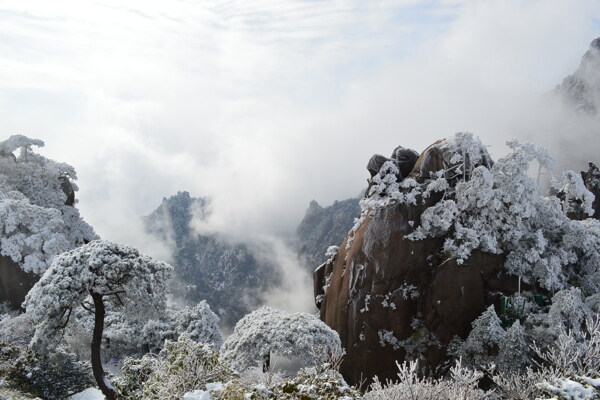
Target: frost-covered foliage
(567, 389)
(414, 345)
(127, 337)
(134, 373)
(16, 142)
(182, 366)
(16, 329)
(568, 311)
(566, 368)
(130, 281)
(198, 323)
(267, 331)
(308, 384)
(500, 210)
(482, 344)
(30, 235)
(462, 384)
(38, 178)
(577, 199)
(37, 216)
(539, 330)
(311, 383)
(190, 370)
(52, 377)
(513, 352)
(497, 208)
(462, 153)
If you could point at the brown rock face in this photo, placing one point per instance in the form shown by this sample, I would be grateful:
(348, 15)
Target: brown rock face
(391, 298)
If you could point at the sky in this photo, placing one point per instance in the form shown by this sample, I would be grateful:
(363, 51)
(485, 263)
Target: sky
(265, 105)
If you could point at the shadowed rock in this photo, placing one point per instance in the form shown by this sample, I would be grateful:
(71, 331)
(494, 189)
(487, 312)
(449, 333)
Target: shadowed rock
(14, 282)
(591, 178)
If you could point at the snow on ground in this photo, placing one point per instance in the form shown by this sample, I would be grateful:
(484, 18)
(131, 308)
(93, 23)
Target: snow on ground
(88, 394)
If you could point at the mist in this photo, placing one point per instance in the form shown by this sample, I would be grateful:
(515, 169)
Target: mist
(263, 108)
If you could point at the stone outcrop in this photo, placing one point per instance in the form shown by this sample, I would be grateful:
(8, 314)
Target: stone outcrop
(391, 298)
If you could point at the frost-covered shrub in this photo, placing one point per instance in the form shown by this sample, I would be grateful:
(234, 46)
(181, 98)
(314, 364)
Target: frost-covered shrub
(198, 323)
(308, 384)
(577, 199)
(483, 343)
(183, 366)
(52, 377)
(514, 349)
(31, 235)
(567, 324)
(267, 331)
(572, 360)
(415, 345)
(311, 383)
(16, 329)
(134, 373)
(568, 310)
(568, 389)
(461, 384)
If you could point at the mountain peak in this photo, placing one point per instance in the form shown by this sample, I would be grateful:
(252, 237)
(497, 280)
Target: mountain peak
(582, 89)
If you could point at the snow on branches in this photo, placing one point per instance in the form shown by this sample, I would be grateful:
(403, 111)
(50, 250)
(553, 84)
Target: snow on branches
(267, 331)
(30, 235)
(36, 204)
(16, 142)
(117, 272)
(499, 209)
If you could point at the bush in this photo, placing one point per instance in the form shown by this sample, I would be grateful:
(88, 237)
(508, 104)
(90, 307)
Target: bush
(308, 384)
(182, 366)
(51, 378)
(462, 384)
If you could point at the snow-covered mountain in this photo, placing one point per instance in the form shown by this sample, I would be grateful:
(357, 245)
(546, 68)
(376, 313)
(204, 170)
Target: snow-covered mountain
(322, 227)
(582, 89)
(209, 267)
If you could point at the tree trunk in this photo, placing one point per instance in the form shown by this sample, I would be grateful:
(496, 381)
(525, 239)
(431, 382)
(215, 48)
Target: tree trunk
(97, 369)
(267, 362)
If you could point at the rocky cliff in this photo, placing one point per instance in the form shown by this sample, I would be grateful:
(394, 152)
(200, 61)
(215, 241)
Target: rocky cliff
(433, 250)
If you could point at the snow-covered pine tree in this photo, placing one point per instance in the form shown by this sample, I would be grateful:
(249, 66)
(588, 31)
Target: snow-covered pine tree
(268, 331)
(95, 276)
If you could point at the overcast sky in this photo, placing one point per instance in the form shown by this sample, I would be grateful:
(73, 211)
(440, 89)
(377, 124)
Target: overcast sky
(264, 105)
